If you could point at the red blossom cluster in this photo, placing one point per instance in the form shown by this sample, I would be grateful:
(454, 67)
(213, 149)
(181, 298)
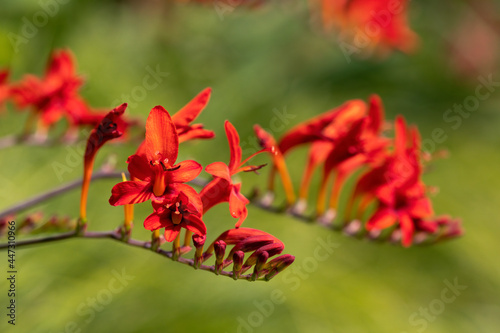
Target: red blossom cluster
(156, 176)
(366, 24)
(52, 97)
(389, 193)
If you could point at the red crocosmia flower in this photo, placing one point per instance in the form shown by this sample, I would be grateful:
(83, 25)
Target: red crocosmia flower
(357, 144)
(268, 142)
(396, 185)
(5, 91)
(401, 167)
(376, 22)
(406, 205)
(153, 168)
(180, 207)
(312, 130)
(343, 139)
(49, 96)
(80, 114)
(109, 128)
(185, 116)
(222, 188)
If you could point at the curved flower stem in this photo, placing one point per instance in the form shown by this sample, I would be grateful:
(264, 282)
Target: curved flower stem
(55, 192)
(116, 235)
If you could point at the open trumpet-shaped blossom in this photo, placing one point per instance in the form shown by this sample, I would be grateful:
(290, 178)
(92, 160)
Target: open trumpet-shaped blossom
(153, 168)
(110, 127)
(180, 207)
(365, 24)
(396, 185)
(49, 96)
(5, 91)
(342, 140)
(268, 142)
(222, 188)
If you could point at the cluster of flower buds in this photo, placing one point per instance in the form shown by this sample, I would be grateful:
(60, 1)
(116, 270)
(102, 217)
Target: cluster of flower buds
(260, 246)
(36, 222)
(389, 195)
(52, 97)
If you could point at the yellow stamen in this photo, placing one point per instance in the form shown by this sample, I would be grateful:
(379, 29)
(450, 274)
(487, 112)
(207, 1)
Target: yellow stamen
(176, 247)
(285, 178)
(87, 175)
(187, 238)
(128, 210)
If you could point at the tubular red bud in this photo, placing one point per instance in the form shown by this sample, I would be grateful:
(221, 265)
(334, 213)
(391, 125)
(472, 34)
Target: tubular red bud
(198, 242)
(238, 258)
(220, 251)
(261, 260)
(278, 264)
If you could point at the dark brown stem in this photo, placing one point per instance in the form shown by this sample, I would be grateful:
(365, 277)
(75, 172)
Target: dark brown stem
(55, 192)
(116, 235)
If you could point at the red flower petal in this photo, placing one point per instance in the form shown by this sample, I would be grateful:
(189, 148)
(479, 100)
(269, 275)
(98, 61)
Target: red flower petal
(215, 192)
(420, 208)
(376, 114)
(153, 222)
(219, 169)
(171, 232)
(237, 205)
(191, 110)
(187, 171)
(401, 136)
(162, 142)
(198, 133)
(139, 168)
(195, 224)
(234, 146)
(407, 229)
(130, 192)
(383, 218)
(311, 130)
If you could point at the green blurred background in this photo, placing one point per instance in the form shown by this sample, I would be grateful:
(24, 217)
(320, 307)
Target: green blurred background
(258, 62)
